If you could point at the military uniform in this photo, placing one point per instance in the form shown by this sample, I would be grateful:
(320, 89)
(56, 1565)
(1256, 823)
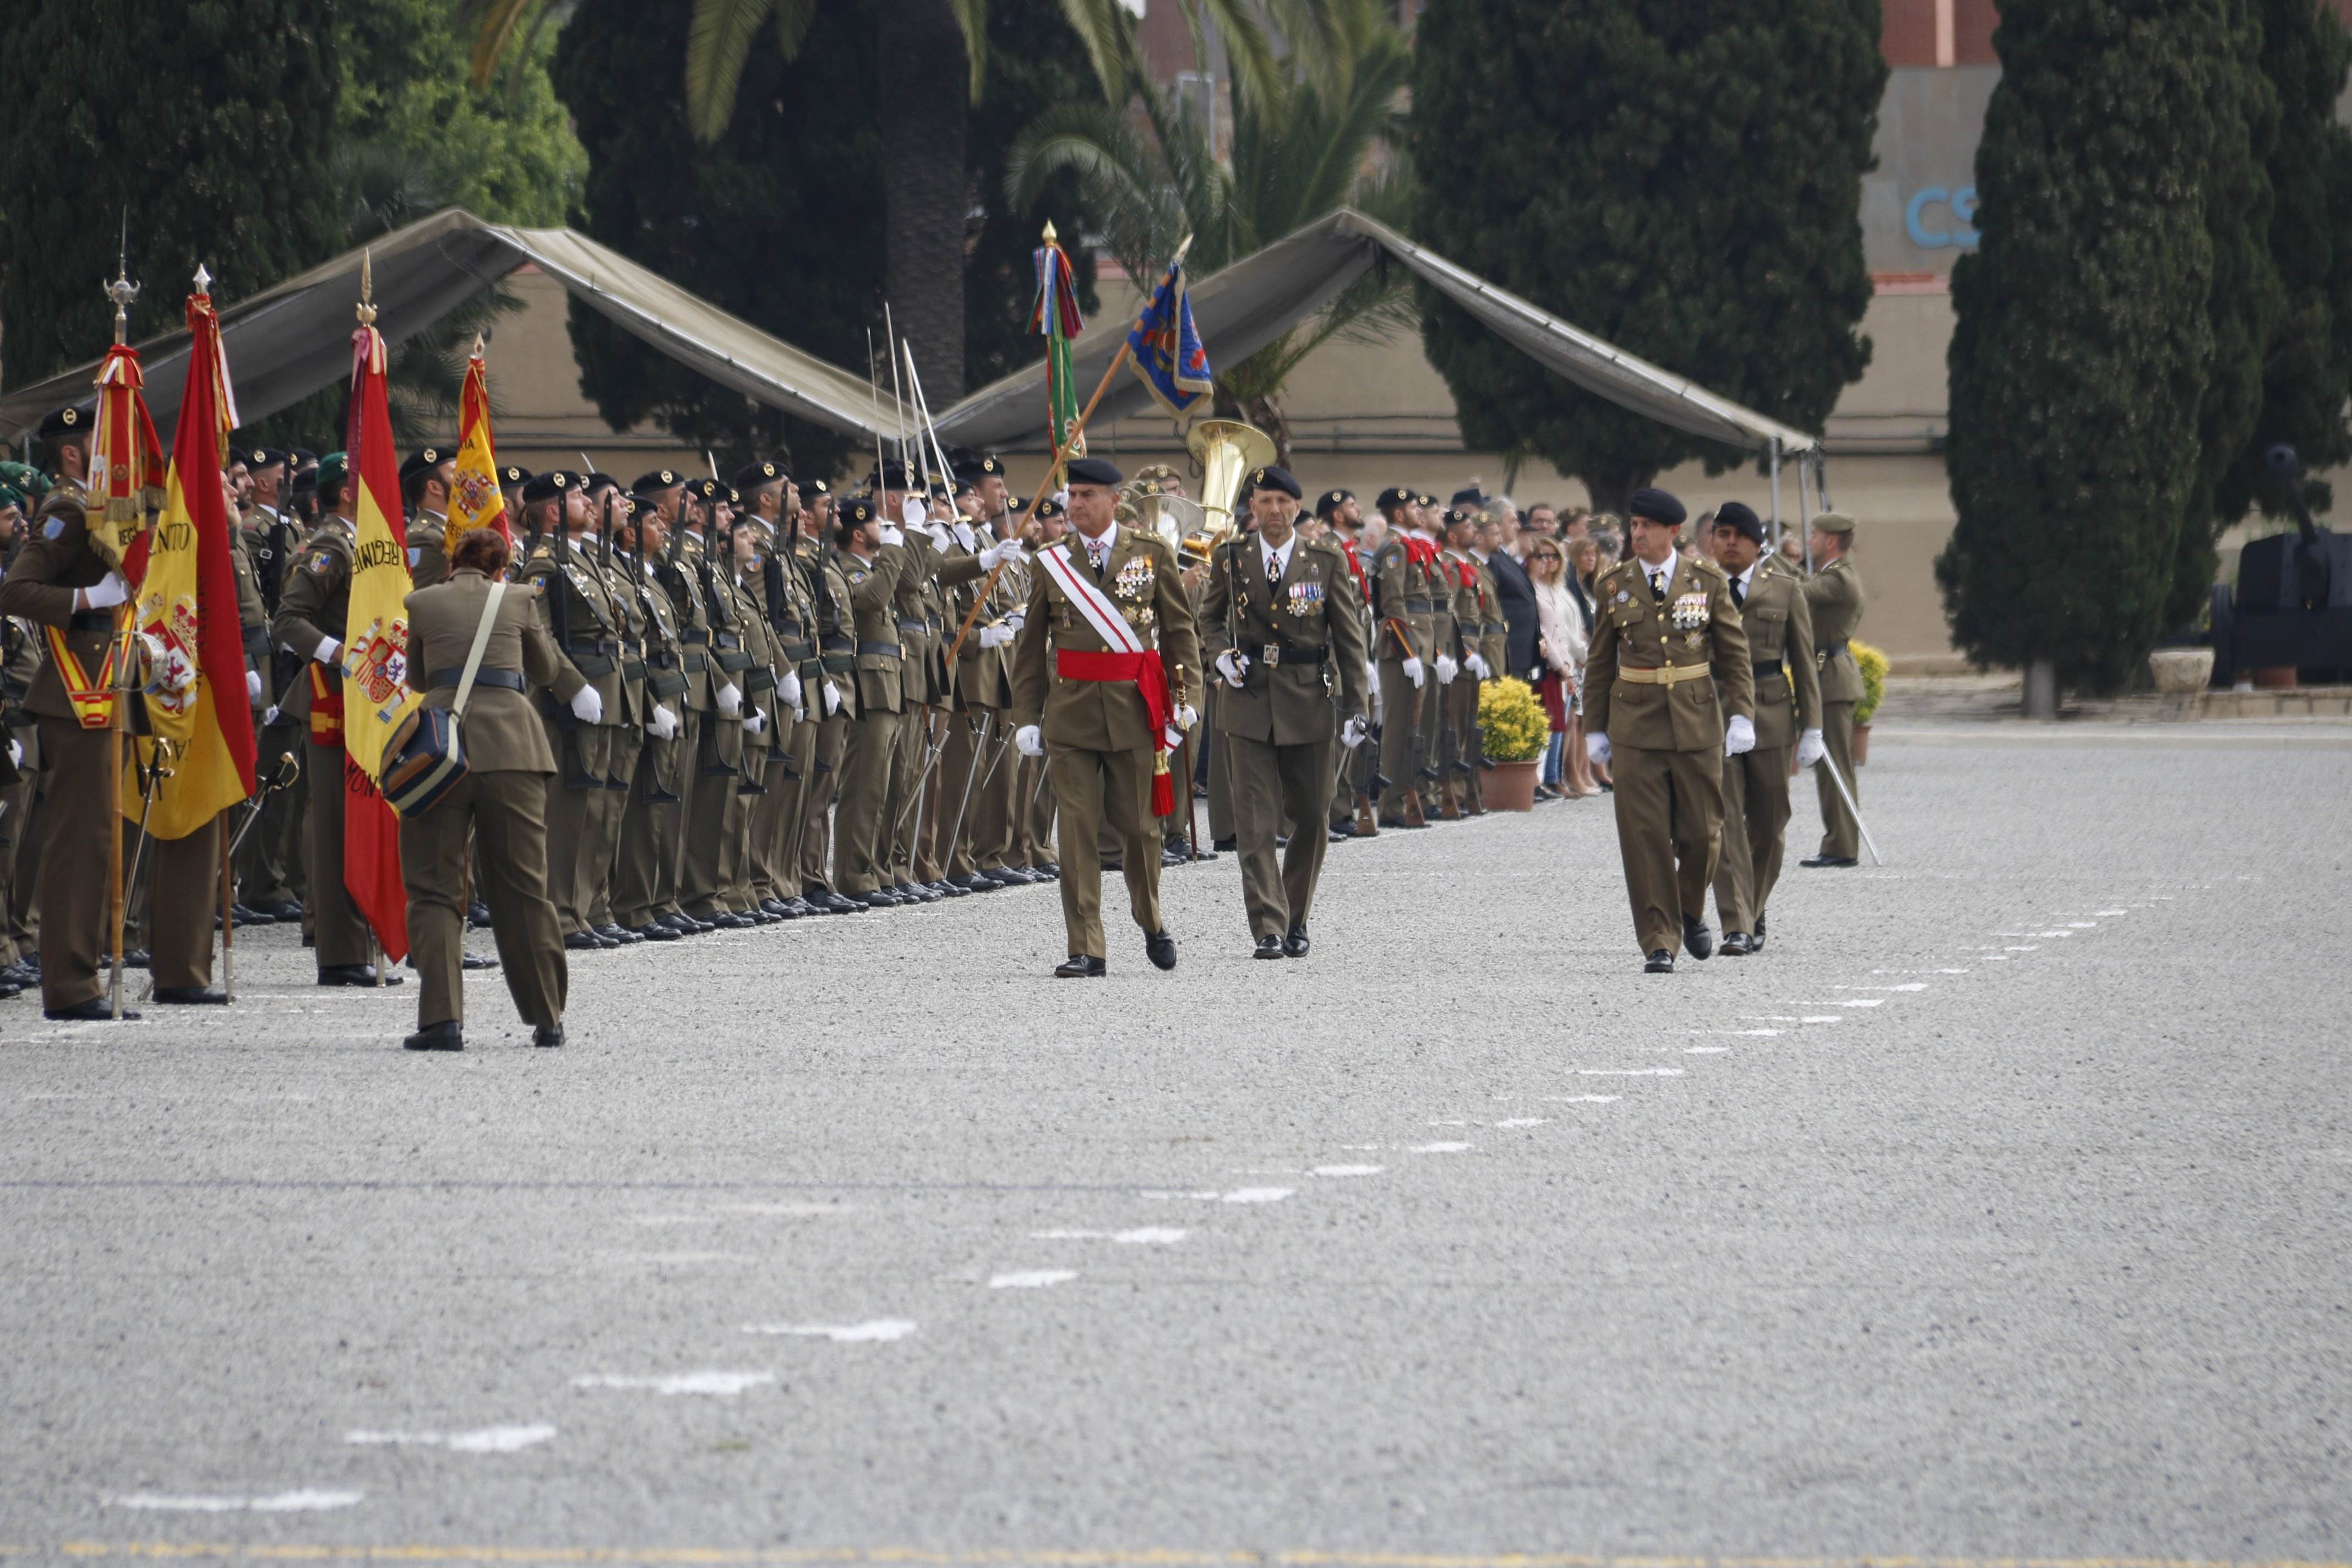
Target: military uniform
(1834, 594)
(870, 747)
(1493, 648)
(832, 709)
(1647, 690)
(1299, 626)
(645, 880)
(271, 872)
(1403, 595)
(21, 798)
(1780, 629)
(586, 785)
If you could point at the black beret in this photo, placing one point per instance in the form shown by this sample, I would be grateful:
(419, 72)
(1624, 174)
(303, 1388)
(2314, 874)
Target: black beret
(426, 458)
(256, 458)
(548, 485)
(1394, 498)
(513, 474)
(1095, 471)
(706, 489)
(1657, 506)
(600, 480)
(1049, 507)
(973, 468)
(1739, 515)
(1425, 499)
(853, 511)
(963, 488)
(659, 480)
(1272, 477)
(767, 470)
(817, 487)
(890, 476)
(1469, 497)
(1330, 502)
(75, 420)
(301, 455)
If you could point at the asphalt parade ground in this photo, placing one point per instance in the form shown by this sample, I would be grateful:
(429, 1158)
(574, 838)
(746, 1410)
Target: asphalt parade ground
(1996, 1213)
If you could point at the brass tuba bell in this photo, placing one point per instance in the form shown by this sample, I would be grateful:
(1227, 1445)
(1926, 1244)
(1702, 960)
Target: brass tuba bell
(1226, 449)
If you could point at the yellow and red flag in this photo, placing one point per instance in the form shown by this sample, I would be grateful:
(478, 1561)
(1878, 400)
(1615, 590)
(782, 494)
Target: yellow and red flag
(126, 483)
(186, 603)
(375, 691)
(474, 498)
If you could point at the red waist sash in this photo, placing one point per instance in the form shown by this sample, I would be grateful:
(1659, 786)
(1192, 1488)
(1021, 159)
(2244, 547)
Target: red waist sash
(1151, 679)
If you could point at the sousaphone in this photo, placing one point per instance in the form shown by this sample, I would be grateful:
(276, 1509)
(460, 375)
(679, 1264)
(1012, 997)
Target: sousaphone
(1226, 449)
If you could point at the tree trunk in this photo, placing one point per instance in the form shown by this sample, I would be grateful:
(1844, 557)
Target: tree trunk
(2041, 689)
(925, 106)
(1613, 492)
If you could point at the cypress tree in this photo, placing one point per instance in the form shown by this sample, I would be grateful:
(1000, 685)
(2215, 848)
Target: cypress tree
(1683, 177)
(2082, 340)
(208, 122)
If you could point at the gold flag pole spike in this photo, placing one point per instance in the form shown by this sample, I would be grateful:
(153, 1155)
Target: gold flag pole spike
(477, 345)
(204, 280)
(367, 288)
(1050, 235)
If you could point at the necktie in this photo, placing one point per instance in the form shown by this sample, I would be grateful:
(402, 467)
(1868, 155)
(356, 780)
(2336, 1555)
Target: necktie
(1738, 594)
(1274, 569)
(1658, 587)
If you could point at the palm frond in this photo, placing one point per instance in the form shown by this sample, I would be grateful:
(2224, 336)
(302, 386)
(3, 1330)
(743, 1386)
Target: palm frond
(1248, 49)
(971, 15)
(718, 47)
(495, 23)
(792, 19)
(1114, 169)
(1107, 31)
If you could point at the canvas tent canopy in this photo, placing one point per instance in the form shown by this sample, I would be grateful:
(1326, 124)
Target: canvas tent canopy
(293, 339)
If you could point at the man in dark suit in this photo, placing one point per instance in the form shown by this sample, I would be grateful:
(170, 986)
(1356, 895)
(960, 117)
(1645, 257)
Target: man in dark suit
(1516, 592)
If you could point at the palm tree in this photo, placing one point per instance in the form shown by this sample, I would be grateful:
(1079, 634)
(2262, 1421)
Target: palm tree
(1301, 147)
(924, 194)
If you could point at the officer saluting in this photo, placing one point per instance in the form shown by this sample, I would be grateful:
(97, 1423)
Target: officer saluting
(1278, 615)
(1662, 626)
(1111, 601)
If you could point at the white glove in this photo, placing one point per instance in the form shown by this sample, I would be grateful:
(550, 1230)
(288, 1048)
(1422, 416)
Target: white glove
(1187, 716)
(329, 650)
(1478, 664)
(1231, 664)
(272, 716)
(831, 699)
(1597, 748)
(1738, 736)
(253, 686)
(1414, 673)
(788, 689)
(890, 535)
(993, 556)
(913, 511)
(1017, 620)
(1446, 669)
(587, 706)
(1352, 732)
(800, 713)
(1811, 748)
(731, 699)
(664, 724)
(105, 592)
(995, 636)
(937, 531)
(755, 721)
(15, 754)
(1027, 741)
(1373, 677)
(965, 536)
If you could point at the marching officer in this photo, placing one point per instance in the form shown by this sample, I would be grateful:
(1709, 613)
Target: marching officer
(1111, 603)
(1662, 625)
(1779, 628)
(1279, 613)
(1834, 592)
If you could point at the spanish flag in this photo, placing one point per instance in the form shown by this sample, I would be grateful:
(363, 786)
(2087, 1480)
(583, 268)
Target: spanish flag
(474, 498)
(196, 702)
(375, 691)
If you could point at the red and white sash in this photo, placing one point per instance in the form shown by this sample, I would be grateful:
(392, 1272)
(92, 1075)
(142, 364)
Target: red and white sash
(1099, 612)
(1127, 661)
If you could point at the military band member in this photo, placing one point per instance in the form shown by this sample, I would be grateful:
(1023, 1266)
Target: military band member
(1101, 668)
(311, 616)
(1779, 628)
(499, 804)
(1281, 623)
(1834, 593)
(424, 483)
(1662, 625)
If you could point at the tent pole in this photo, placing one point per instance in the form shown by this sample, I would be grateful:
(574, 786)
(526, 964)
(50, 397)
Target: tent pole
(1776, 492)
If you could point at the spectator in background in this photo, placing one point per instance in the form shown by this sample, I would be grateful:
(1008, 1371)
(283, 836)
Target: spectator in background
(1608, 534)
(1586, 562)
(1576, 523)
(1561, 643)
(1541, 522)
(1497, 532)
(1793, 550)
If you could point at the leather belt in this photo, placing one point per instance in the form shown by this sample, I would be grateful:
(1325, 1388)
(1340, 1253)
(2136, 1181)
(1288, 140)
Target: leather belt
(838, 663)
(759, 678)
(510, 679)
(633, 669)
(1497, 629)
(933, 623)
(798, 652)
(1275, 655)
(912, 628)
(833, 643)
(730, 640)
(1413, 607)
(1666, 675)
(693, 638)
(593, 645)
(1829, 650)
(885, 650)
(91, 621)
(1764, 666)
(694, 663)
(661, 661)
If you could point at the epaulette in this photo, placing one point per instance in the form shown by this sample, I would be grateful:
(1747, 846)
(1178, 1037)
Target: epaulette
(1703, 564)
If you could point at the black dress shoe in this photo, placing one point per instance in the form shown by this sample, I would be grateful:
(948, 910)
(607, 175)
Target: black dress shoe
(356, 975)
(286, 911)
(470, 961)
(1174, 858)
(1756, 938)
(653, 932)
(478, 915)
(81, 1012)
(1269, 947)
(1114, 865)
(136, 959)
(245, 917)
(1343, 831)
(191, 995)
(584, 941)
(447, 1036)
(802, 909)
(1223, 844)
(950, 890)
(726, 920)
(877, 899)
(1661, 963)
(546, 1035)
(1204, 854)
(1160, 948)
(1819, 862)
(1735, 944)
(975, 882)
(1339, 837)
(619, 933)
(1295, 944)
(684, 925)
(1049, 870)
(1078, 966)
(776, 907)
(833, 903)
(1398, 822)
(1697, 939)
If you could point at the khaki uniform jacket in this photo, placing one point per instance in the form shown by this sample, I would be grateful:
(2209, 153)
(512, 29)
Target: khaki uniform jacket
(571, 595)
(428, 555)
(1398, 584)
(1284, 701)
(1834, 594)
(315, 605)
(1779, 628)
(666, 684)
(503, 733)
(1104, 715)
(1494, 643)
(1696, 625)
(986, 678)
(827, 571)
(56, 559)
(872, 602)
(681, 576)
(621, 588)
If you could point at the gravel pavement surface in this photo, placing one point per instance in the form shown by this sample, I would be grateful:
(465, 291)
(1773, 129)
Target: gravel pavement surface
(1998, 1210)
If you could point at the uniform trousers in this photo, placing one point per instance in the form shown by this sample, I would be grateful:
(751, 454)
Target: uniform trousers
(612, 747)
(20, 847)
(332, 919)
(1755, 830)
(506, 811)
(1841, 834)
(1669, 832)
(867, 759)
(74, 890)
(766, 843)
(645, 880)
(955, 822)
(269, 862)
(716, 814)
(910, 780)
(572, 791)
(1092, 787)
(1401, 718)
(820, 784)
(1034, 811)
(1273, 785)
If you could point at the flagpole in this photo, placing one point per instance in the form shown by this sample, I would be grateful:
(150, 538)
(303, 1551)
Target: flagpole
(122, 292)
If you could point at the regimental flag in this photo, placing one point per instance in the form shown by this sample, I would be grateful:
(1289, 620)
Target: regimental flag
(1053, 316)
(376, 694)
(474, 498)
(187, 606)
(126, 471)
(1165, 346)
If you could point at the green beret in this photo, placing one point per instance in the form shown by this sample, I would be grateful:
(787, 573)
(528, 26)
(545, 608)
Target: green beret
(334, 468)
(11, 496)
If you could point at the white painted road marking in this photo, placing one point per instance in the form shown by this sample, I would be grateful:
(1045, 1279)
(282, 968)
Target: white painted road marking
(1032, 1278)
(305, 1501)
(721, 1384)
(482, 1441)
(880, 1330)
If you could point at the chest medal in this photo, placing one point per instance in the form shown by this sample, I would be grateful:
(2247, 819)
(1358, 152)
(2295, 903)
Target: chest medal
(1689, 612)
(1305, 596)
(1135, 579)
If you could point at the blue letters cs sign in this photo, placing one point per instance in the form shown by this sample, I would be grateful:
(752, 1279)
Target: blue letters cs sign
(1925, 226)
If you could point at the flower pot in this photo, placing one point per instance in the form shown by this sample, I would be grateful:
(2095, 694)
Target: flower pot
(1511, 787)
(1861, 744)
(2181, 671)
(2275, 678)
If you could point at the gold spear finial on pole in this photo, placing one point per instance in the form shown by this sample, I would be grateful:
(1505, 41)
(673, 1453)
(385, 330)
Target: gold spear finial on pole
(1050, 235)
(367, 288)
(122, 291)
(477, 345)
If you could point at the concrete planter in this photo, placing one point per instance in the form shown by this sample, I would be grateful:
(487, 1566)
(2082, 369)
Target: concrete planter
(2181, 671)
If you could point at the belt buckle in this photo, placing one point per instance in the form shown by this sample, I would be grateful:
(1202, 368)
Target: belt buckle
(1273, 656)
